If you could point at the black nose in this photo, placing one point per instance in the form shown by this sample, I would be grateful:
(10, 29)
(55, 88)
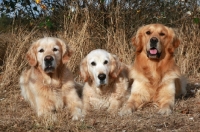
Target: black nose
(153, 42)
(48, 59)
(102, 76)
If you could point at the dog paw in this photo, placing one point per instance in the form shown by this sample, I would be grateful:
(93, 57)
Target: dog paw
(78, 115)
(125, 111)
(112, 110)
(75, 118)
(165, 111)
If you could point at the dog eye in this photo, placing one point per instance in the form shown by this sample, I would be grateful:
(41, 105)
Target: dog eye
(93, 63)
(161, 34)
(105, 62)
(148, 32)
(55, 49)
(41, 50)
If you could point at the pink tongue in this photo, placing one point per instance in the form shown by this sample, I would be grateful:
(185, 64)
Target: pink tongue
(153, 51)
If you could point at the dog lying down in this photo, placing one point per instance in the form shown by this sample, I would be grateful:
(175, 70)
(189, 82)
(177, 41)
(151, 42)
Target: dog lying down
(156, 76)
(106, 81)
(48, 85)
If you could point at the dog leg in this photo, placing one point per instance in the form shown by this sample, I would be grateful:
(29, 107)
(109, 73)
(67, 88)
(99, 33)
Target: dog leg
(139, 95)
(86, 106)
(166, 98)
(44, 106)
(74, 104)
(114, 105)
(132, 104)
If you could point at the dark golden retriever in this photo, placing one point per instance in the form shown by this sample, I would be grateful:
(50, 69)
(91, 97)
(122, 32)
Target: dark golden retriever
(156, 76)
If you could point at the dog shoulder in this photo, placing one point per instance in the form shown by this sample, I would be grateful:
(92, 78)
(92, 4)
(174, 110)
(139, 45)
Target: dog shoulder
(25, 76)
(88, 90)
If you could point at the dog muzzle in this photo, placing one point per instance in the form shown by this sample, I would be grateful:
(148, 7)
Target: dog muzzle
(49, 66)
(153, 52)
(102, 79)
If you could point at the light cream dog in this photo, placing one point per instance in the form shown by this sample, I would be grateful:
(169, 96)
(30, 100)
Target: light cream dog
(106, 81)
(49, 85)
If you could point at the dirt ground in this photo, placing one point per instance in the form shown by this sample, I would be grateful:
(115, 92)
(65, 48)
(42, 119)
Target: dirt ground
(17, 115)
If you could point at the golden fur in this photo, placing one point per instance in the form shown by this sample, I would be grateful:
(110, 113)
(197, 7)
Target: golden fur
(49, 85)
(110, 92)
(156, 77)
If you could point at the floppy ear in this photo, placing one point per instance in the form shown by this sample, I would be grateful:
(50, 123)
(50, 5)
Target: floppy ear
(84, 70)
(31, 56)
(115, 66)
(176, 42)
(136, 41)
(66, 51)
(175, 39)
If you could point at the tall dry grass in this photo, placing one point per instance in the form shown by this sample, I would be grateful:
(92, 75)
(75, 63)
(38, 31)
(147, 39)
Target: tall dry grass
(14, 61)
(187, 56)
(85, 30)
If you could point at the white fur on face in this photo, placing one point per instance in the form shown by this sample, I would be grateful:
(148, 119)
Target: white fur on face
(48, 47)
(98, 63)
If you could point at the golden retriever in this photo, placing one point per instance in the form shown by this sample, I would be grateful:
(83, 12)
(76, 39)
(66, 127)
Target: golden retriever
(106, 81)
(49, 85)
(156, 77)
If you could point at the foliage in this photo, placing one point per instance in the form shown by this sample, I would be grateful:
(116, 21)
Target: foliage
(5, 23)
(47, 13)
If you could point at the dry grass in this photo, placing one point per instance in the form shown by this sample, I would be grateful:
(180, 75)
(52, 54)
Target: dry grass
(188, 53)
(14, 57)
(84, 34)
(3, 45)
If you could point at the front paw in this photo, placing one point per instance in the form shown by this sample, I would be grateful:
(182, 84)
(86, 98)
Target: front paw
(77, 115)
(46, 110)
(165, 111)
(125, 111)
(112, 110)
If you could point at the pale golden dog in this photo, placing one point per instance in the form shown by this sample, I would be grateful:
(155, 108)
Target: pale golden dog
(156, 77)
(106, 81)
(48, 85)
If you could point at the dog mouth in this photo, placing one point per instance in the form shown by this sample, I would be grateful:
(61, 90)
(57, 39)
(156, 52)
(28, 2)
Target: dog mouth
(49, 69)
(102, 83)
(153, 53)
(49, 64)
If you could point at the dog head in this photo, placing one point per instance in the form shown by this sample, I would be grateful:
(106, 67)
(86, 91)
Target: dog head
(48, 53)
(156, 40)
(99, 66)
